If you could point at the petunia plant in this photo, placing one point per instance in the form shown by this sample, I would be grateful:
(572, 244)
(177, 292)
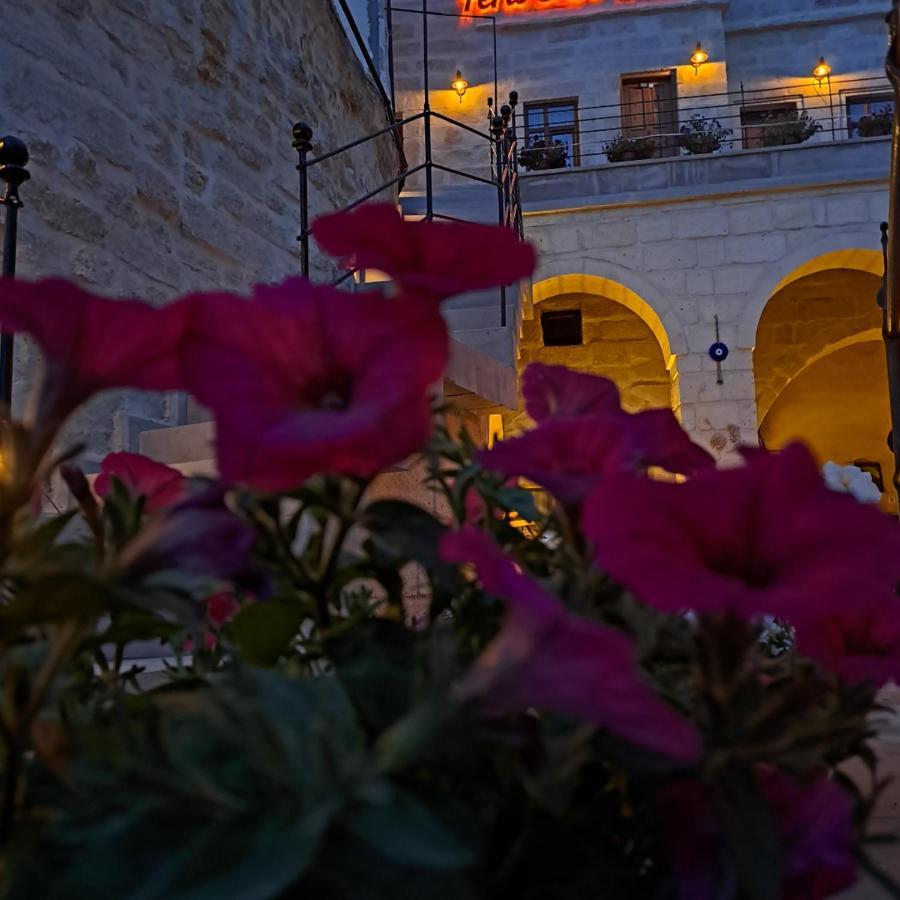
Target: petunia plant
(627, 675)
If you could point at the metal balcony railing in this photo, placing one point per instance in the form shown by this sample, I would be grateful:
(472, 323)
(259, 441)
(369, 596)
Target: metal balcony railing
(659, 127)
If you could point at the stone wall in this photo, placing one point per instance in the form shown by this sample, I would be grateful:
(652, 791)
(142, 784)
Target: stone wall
(722, 255)
(754, 45)
(618, 344)
(804, 319)
(160, 134)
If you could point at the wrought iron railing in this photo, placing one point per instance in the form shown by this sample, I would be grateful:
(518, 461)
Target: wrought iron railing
(501, 149)
(749, 118)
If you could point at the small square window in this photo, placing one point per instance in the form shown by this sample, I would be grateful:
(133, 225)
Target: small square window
(562, 328)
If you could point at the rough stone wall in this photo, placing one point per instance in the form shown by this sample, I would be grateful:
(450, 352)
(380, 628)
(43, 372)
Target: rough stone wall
(618, 345)
(804, 319)
(160, 134)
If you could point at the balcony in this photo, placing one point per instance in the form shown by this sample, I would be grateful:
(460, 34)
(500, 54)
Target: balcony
(694, 177)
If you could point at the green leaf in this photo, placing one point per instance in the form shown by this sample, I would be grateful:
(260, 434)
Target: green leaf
(264, 631)
(404, 831)
(58, 597)
(750, 832)
(375, 661)
(400, 533)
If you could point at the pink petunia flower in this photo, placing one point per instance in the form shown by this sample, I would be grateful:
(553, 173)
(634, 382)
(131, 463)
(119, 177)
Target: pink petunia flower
(557, 391)
(768, 538)
(814, 825)
(571, 456)
(306, 379)
(545, 657)
(858, 640)
(160, 484)
(426, 259)
(92, 343)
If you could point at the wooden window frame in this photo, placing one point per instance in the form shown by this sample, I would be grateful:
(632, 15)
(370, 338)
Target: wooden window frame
(667, 146)
(550, 131)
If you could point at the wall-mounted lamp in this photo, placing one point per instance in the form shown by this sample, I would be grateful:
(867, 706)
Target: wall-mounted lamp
(699, 57)
(460, 85)
(822, 70)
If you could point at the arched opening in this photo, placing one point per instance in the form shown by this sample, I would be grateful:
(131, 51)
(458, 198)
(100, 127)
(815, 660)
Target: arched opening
(819, 364)
(621, 337)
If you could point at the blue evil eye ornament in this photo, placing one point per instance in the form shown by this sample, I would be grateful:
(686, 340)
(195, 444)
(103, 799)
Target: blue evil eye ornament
(718, 352)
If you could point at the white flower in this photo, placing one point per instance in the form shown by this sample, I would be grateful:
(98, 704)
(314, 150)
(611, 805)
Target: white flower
(851, 480)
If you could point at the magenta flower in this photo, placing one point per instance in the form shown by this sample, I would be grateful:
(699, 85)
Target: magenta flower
(426, 259)
(544, 657)
(92, 343)
(557, 391)
(814, 825)
(768, 538)
(306, 379)
(571, 456)
(858, 640)
(199, 535)
(160, 485)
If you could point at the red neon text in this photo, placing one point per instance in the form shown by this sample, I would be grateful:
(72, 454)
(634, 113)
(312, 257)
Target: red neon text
(492, 7)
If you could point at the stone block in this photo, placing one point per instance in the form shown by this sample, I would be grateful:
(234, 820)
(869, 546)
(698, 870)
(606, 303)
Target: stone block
(755, 248)
(699, 282)
(847, 209)
(611, 234)
(656, 226)
(696, 223)
(748, 218)
(675, 254)
(793, 213)
(710, 252)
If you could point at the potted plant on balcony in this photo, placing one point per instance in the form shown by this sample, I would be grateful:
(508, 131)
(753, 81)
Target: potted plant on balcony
(626, 149)
(876, 124)
(793, 128)
(702, 135)
(541, 154)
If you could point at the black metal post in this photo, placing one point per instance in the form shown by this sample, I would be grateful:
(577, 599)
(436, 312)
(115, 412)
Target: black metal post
(891, 300)
(13, 159)
(389, 21)
(302, 143)
(426, 82)
(831, 110)
(501, 212)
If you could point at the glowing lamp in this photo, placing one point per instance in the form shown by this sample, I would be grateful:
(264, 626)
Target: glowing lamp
(699, 57)
(822, 70)
(460, 85)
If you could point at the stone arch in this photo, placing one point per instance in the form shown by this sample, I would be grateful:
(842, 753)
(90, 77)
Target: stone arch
(856, 251)
(634, 339)
(650, 304)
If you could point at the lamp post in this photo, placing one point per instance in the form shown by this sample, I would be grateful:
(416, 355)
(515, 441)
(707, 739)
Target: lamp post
(699, 57)
(890, 299)
(460, 85)
(13, 159)
(822, 72)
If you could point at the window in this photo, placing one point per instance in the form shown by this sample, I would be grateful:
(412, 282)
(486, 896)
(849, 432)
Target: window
(650, 109)
(756, 120)
(551, 122)
(562, 328)
(879, 106)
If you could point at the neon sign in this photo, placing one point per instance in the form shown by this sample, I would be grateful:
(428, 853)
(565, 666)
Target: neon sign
(493, 7)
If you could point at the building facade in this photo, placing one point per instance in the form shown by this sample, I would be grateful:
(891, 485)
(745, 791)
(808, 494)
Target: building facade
(694, 172)
(162, 160)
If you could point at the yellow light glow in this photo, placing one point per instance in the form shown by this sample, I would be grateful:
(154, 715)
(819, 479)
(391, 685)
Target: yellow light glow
(699, 57)
(822, 70)
(460, 85)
